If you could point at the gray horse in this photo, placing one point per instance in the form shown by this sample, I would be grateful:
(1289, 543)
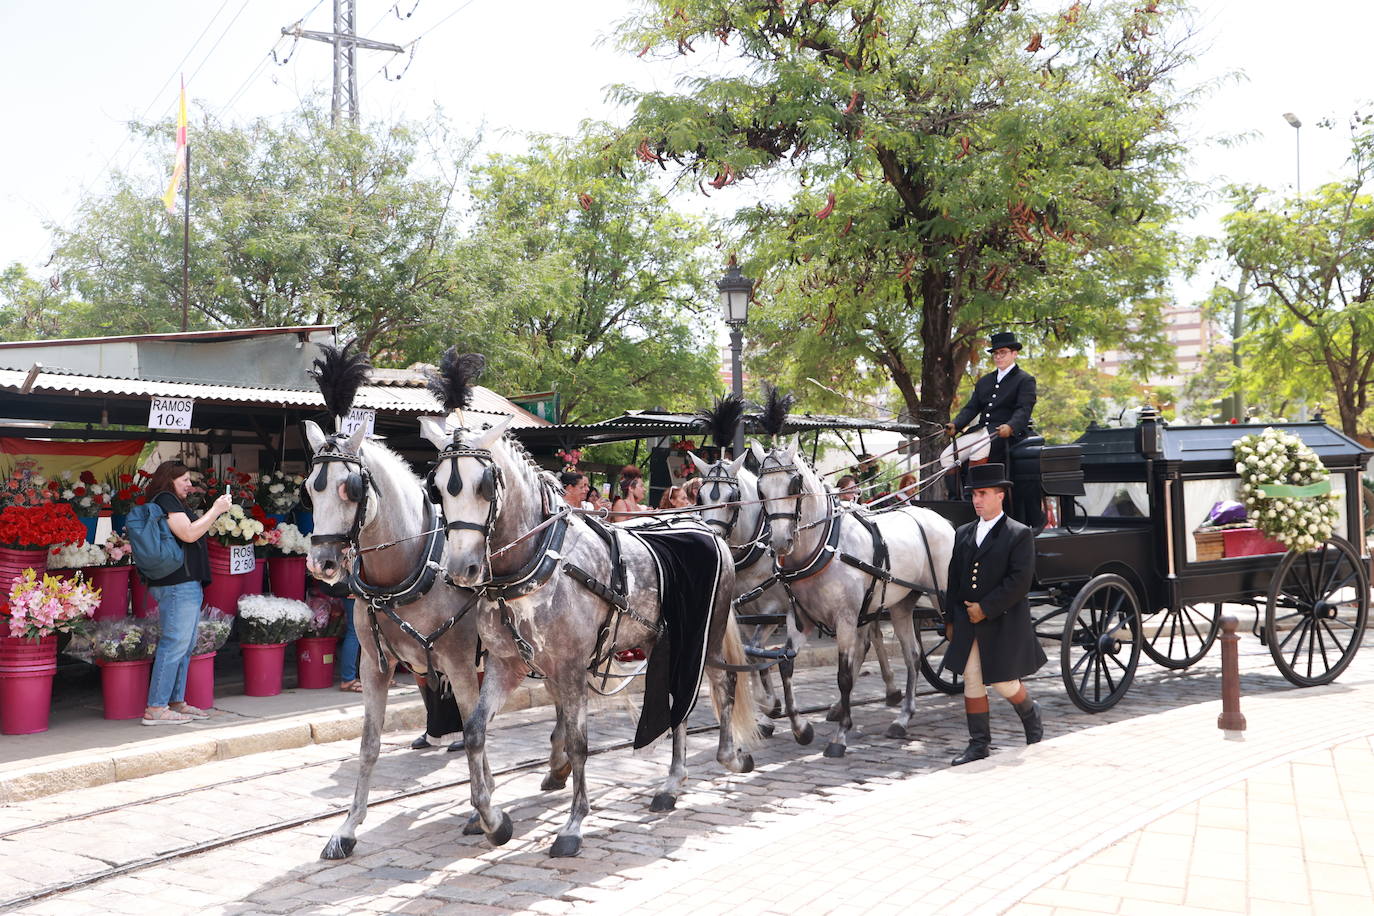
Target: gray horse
(560, 605)
(351, 477)
(729, 502)
(819, 549)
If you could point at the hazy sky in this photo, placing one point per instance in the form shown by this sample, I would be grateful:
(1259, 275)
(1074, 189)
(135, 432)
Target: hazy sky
(75, 71)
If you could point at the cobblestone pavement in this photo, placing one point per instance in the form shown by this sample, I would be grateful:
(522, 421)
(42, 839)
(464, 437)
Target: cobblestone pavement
(1148, 790)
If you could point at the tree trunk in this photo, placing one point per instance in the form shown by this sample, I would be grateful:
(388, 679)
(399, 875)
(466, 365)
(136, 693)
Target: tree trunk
(938, 378)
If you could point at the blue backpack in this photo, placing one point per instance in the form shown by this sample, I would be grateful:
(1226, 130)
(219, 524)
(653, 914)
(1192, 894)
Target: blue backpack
(157, 552)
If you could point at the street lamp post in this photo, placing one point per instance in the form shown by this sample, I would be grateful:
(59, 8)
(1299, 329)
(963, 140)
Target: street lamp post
(1292, 119)
(735, 292)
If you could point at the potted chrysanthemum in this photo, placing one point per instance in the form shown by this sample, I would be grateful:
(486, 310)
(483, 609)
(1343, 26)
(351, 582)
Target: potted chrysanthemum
(123, 649)
(267, 624)
(212, 631)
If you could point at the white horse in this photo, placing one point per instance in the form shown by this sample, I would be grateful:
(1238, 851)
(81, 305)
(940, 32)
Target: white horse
(563, 599)
(833, 561)
(368, 504)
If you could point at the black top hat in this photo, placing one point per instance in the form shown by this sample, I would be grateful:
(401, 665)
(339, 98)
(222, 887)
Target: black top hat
(1004, 339)
(981, 476)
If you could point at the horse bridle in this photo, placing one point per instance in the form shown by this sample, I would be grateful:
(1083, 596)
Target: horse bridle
(357, 489)
(717, 478)
(489, 487)
(794, 489)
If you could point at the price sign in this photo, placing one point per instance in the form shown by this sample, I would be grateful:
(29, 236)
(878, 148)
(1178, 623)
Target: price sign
(359, 418)
(241, 559)
(171, 413)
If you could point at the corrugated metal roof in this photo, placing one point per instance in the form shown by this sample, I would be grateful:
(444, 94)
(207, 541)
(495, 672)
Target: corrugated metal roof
(394, 396)
(219, 334)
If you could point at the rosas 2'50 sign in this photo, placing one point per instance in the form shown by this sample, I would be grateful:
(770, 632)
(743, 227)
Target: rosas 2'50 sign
(171, 413)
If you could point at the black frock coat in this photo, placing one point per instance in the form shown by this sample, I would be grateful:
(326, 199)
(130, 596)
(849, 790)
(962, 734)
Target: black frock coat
(998, 575)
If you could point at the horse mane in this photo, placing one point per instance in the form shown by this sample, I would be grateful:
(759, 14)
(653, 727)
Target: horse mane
(452, 382)
(775, 408)
(719, 422)
(340, 372)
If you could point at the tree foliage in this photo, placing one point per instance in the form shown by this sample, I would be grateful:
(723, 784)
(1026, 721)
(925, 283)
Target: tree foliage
(292, 223)
(957, 167)
(584, 281)
(1310, 265)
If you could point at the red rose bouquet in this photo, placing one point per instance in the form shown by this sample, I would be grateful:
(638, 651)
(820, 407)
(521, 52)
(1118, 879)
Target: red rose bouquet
(40, 527)
(125, 492)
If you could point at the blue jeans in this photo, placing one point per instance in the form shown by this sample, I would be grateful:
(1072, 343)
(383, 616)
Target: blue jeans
(349, 648)
(178, 611)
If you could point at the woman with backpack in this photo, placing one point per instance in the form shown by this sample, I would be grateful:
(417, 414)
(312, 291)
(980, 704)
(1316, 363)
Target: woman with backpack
(179, 594)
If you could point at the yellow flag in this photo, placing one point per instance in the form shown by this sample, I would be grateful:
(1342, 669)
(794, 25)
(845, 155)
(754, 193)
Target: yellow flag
(179, 168)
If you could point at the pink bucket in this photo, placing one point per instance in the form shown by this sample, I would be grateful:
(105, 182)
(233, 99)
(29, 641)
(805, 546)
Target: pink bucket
(125, 687)
(200, 681)
(315, 661)
(262, 668)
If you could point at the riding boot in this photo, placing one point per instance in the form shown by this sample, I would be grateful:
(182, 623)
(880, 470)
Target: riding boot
(456, 746)
(1029, 711)
(979, 738)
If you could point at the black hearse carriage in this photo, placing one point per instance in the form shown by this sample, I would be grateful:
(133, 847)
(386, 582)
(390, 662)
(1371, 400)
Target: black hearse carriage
(1120, 557)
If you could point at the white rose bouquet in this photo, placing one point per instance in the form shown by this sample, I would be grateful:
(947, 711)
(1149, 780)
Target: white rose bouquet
(236, 527)
(289, 541)
(278, 492)
(78, 556)
(1286, 489)
(267, 619)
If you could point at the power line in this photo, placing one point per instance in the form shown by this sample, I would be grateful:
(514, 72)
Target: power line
(416, 40)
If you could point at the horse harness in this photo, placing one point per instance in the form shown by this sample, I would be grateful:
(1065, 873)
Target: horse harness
(386, 598)
(878, 570)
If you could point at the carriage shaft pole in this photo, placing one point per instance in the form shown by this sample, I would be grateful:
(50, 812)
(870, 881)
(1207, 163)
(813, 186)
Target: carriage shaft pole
(1231, 720)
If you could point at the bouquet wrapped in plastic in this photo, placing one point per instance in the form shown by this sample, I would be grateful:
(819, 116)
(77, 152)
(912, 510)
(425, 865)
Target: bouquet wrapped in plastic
(212, 631)
(125, 640)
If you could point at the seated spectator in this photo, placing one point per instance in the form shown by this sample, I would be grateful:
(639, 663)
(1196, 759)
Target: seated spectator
(630, 495)
(848, 489)
(675, 498)
(575, 489)
(908, 488)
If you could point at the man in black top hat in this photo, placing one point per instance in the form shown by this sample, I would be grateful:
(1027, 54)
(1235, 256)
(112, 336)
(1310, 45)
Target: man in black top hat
(1002, 400)
(993, 640)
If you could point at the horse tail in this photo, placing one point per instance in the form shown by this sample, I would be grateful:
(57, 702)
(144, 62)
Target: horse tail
(743, 729)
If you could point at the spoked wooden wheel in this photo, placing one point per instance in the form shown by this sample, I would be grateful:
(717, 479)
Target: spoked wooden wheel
(934, 645)
(1101, 643)
(1318, 602)
(1185, 634)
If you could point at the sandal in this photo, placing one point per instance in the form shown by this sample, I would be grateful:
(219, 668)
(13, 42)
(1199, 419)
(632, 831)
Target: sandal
(164, 716)
(351, 686)
(186, 709)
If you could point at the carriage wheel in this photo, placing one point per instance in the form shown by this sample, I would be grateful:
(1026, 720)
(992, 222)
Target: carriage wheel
(1318, 602)
(934, 644)
(1101, 626)
(1184, 636)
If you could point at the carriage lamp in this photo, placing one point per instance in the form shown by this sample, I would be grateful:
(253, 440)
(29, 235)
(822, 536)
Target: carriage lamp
(735, 292)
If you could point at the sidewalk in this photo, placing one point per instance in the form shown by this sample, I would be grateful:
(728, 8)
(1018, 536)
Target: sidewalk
(1156, 814)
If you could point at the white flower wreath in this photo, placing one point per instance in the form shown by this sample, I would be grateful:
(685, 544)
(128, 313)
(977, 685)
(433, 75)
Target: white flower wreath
(1274, 457)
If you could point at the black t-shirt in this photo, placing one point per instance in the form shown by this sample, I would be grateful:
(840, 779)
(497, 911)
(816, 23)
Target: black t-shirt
(197, 566)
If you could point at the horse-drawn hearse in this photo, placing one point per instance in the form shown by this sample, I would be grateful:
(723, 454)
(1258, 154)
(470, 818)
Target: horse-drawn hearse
(1120, 568)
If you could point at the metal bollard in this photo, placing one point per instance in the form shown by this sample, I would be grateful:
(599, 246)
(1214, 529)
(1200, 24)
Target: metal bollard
(1230, 721)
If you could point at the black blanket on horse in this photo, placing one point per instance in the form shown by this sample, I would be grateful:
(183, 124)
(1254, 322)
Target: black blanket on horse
(689, 568)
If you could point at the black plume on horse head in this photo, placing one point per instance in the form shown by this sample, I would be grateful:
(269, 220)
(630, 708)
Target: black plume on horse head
(719, 422)
(340, 372)
(775, 408)
(452, 383)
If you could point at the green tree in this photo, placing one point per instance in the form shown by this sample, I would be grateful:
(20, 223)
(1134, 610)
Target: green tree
(292, 223)
(584, 281)
(957, 167)
(1072, 394)
(1309, 317)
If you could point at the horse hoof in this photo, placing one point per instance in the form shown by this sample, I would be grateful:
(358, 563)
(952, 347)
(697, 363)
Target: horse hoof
(473, 826)
(895, 697)
(552, 781)
(502, 834)
(663, 801)
(806, 735)
(565, 847)
(766, 729)
(833, 713)
(834, 750)
(339, 847)
(776, 711)
(896, 731)
(746, 763)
